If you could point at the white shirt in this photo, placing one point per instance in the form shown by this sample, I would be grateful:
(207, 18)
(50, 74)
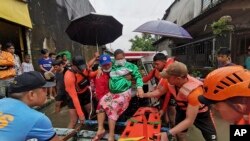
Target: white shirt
(27, 67)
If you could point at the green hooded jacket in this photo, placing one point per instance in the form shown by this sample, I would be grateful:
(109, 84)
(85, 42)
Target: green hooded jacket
(118, 82)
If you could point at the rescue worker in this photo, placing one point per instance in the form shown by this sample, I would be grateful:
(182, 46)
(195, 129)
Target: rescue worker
(77, 86)
(18, 120)
(161, 62)
(227, 89)
(185, 90)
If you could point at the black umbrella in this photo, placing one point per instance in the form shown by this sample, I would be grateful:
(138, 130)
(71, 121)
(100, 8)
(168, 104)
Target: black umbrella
(94, 29)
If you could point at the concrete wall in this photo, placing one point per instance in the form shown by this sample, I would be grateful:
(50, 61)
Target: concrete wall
(50, 19)
(164, 45)
(182, 11)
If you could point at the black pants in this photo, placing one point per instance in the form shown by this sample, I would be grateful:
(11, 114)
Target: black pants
(203, 122)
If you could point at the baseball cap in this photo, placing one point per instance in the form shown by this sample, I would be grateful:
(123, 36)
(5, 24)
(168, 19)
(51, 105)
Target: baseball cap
(80, 62)
(104, 59)
(28, 81)
(175, 69)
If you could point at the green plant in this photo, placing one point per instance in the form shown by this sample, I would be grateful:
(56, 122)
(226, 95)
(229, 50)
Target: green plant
(196, 73)
(222, 26)
(142, 43)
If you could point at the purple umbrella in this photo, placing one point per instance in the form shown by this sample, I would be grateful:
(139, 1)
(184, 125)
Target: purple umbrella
(163, 28)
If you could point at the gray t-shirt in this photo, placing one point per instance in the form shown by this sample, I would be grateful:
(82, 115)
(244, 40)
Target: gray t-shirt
(60, 86)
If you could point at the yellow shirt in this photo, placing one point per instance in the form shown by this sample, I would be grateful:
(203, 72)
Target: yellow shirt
(7, 59)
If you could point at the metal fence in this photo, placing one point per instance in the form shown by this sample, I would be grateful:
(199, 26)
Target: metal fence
(198, 54)
(201, 53)
(206, 4)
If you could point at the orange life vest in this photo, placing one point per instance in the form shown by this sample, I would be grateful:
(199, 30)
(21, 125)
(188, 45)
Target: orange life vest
(182, 96)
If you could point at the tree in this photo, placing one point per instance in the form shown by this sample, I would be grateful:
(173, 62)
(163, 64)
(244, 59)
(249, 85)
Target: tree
(143, 43)
(222, 26)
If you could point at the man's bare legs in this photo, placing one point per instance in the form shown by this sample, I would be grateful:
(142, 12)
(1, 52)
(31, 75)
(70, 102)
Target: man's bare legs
(72, 118)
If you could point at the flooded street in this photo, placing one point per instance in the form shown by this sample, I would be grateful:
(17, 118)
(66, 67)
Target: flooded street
(61, 120)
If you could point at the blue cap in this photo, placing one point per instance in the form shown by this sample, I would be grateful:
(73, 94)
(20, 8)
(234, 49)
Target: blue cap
(104, 59)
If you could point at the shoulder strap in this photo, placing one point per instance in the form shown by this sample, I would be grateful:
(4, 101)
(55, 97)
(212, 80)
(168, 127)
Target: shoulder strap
(74, 70)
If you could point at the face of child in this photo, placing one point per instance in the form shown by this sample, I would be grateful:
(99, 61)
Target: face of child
(53, 57)
(46, 55)
(222, 58)
(27, 59)
(11, 49)
(57, 68)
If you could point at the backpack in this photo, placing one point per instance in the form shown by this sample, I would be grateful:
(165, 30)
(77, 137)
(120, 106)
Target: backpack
(84, 82)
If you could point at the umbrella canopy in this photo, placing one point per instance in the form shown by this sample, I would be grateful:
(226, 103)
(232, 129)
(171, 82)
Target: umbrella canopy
(163, 28)
(94, 29)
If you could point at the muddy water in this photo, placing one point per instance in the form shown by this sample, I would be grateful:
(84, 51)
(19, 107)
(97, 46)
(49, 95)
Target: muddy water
(61, 120)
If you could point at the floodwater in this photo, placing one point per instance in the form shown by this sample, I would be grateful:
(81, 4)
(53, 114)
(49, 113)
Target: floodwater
(61, 120)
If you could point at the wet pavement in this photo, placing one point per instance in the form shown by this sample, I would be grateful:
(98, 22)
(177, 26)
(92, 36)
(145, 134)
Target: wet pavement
(60, 120)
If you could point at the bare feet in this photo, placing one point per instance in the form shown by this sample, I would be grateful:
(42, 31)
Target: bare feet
(111, 138)
(99, 135)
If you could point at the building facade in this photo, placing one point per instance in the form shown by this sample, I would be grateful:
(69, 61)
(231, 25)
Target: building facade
(37, 24)
(197, 16)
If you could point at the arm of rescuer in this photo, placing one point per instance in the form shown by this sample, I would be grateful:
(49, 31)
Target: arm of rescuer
(69, 80)
(93, 74)
(149, 76)
(191, 112)
(92, 61)
(161, 89)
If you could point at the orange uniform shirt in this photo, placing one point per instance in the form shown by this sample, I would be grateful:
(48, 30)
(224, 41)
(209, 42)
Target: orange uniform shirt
(70, 80)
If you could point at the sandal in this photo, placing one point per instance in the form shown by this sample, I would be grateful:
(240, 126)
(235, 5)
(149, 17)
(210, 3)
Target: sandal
(97, 137)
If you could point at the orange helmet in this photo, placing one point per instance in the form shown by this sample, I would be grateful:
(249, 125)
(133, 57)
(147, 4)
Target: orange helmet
(224, 83)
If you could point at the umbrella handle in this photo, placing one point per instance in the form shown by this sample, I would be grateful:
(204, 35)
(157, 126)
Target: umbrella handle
(97, 47)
